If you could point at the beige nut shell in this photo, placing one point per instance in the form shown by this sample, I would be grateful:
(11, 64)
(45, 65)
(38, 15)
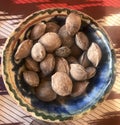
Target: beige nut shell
(48, 64)
(94, 54)
(73, 23)
(61, 83)
(44, 91)
(79, 88)
(31, 64)
(62, 65)
(38, 30)
(51, 41)
(38, 52)
(23, 49)
(78, 72)
(31, 78)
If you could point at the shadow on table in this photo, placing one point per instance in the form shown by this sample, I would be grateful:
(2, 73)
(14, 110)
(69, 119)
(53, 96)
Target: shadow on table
(113, 95)
(111, 118)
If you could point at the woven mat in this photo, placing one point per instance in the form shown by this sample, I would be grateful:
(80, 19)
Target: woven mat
(106, 12)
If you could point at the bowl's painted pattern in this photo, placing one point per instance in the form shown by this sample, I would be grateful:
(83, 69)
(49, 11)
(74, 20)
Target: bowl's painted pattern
(98, 88)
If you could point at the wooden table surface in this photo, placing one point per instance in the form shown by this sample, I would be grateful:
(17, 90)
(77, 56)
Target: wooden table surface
(106, 12)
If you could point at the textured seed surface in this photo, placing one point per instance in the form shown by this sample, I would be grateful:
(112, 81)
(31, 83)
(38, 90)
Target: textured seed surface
(63, 51)
(38, 52)
(44, 91)
(62, 65)
(83, 60)
(31, 78)
(78, 72)
(31, 64)
(38, 31)
(82, 41)
(67, 40)
(79, 88)
(51, 41)
(23, 49)
(48, 64)
(72, 59)
(91, 72)
(73, 23)
(61, 83)
(94, 54)
(52, 27)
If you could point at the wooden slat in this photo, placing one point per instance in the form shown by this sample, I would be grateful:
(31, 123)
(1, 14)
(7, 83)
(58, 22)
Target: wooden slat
(6, 26)
(27, 118)
(90, 117)
(114, 105)
(101, 110)
(108, 105)
(105, 106)
(98, 113)
(9, 98)
(81, 122)
(1, 122)
(8, 107)
(73, 122)
(13, 113)
(2, 118)
(9, 101)
(8, 115)
(84, 118)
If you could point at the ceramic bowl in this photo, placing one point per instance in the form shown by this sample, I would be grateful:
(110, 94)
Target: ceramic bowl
(72, 108)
